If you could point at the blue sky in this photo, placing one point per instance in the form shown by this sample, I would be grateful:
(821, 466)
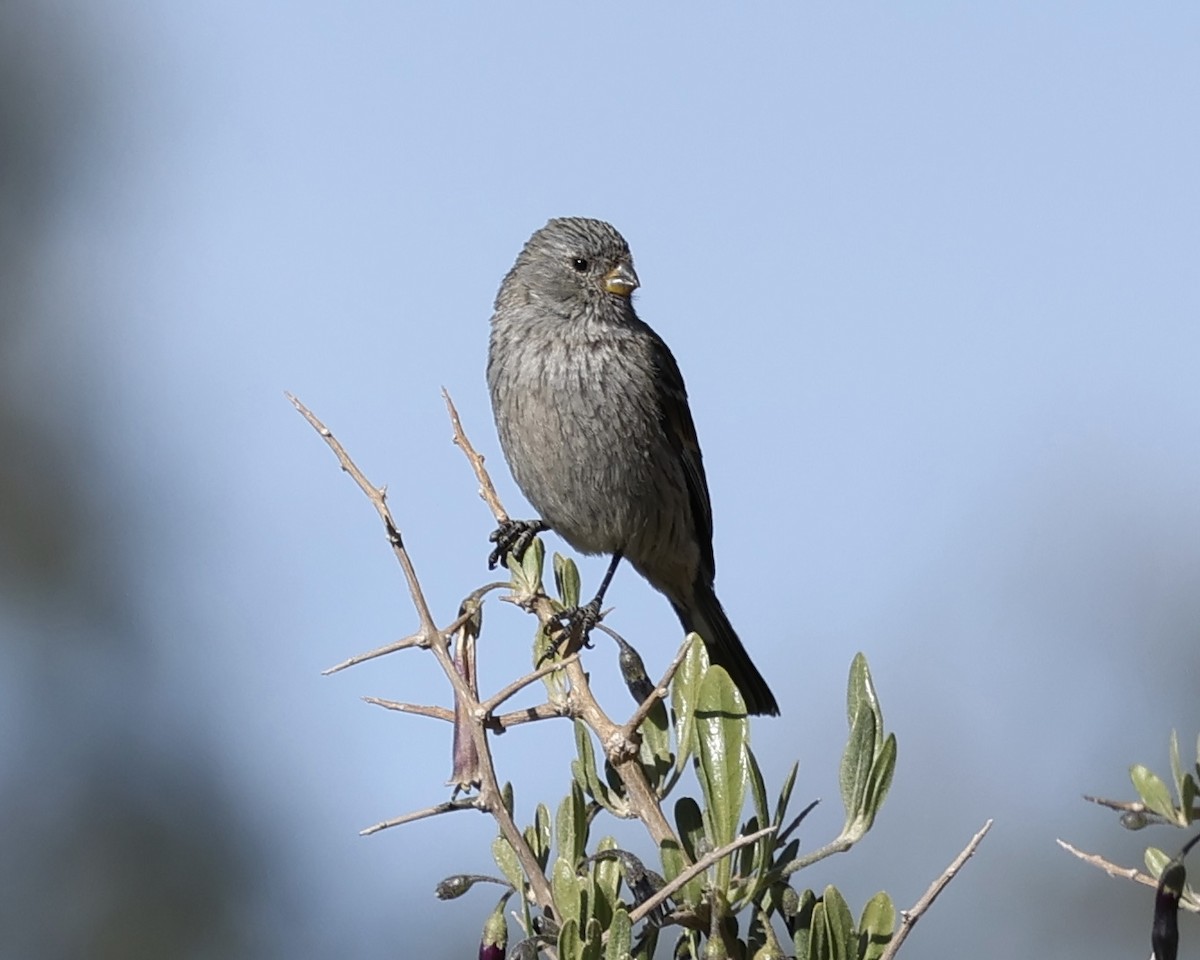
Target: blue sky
(930, 274)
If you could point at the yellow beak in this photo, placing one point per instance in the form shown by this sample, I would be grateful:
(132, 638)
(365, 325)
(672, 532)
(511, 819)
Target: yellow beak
(621, 280)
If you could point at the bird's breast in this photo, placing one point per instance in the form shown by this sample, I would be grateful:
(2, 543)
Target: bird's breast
(578, 419)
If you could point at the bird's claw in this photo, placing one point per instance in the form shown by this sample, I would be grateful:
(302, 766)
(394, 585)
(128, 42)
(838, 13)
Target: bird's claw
(581, 618)
(577, 622)
(513, 536)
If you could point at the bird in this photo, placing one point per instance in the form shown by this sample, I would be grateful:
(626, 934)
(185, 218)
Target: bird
(593, 419)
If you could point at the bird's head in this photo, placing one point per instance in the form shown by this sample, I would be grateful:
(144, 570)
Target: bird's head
(574, 264)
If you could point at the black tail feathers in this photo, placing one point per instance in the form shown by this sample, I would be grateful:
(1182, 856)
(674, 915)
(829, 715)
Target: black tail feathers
(707, 618)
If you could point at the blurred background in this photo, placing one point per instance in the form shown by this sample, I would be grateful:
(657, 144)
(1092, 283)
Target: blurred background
(931, 274)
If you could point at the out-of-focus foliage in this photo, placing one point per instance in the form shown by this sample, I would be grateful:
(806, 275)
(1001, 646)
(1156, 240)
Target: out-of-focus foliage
(114, 846)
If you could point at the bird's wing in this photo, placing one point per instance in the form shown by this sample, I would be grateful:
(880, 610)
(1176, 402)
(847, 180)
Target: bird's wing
(676, 419)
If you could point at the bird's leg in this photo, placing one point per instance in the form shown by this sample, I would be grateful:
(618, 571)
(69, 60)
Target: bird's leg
(588, 615)
(579, 622)
(594, 607)
(514, 536)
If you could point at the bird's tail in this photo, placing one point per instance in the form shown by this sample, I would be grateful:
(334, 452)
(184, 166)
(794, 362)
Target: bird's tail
(707, 618)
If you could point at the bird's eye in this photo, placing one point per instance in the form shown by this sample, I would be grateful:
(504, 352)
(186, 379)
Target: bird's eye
(580, 265)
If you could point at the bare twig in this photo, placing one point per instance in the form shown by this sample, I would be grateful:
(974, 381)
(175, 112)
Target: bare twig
(1123, 873)
(412, 640)
(490, 798)
(429, 634)
(487, 491)
(660, 692)
(450, 806)
(647, 906)
(1141, 814)
(1124, 806)
(520, 684)
(839, 845)
(417, 709)
(378, 498)
(489, 705)
(910, 917)
(545, 711)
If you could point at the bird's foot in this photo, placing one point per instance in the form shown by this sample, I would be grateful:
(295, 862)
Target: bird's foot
(581, 619)
(574, 627)
(513, 536)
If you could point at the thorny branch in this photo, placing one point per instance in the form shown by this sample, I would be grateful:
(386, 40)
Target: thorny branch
(619, 741)
(910, 917)
(490, 798)
(1112, 869)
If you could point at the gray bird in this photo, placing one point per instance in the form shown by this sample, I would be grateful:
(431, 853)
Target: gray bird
(593, 418)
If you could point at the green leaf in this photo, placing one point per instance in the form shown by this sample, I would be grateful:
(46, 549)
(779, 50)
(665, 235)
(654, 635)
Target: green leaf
(543, 652)
(674, 863)
(587, 756)
(620, 937)
(506, 859)
(689, 822)
(722, 731)
(571, 825)
(785, 795)
(616, 792)
(876, 927)
(537, 835)
(879, 782)
(869, 759)
(820, 945)
(655, 749)
(570, 947)
(801, 921)
(745, 859)
(1176, 766)
(861, 692)
(587, 893)
(583, 770)
(685, 689)
(532, 563)
(857, 760)
(593, 948)
(526, 576)
(1189, 793)
(566, 581)
(567, 888)
(1185, 785)
(839, 924)
(1156, 861)
(758, 789)
(789, 902)
(1153, 791)
(495, 928)
(789, 853)
(771, 900)
(606, 880)
(755, 860)
(672, 859)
